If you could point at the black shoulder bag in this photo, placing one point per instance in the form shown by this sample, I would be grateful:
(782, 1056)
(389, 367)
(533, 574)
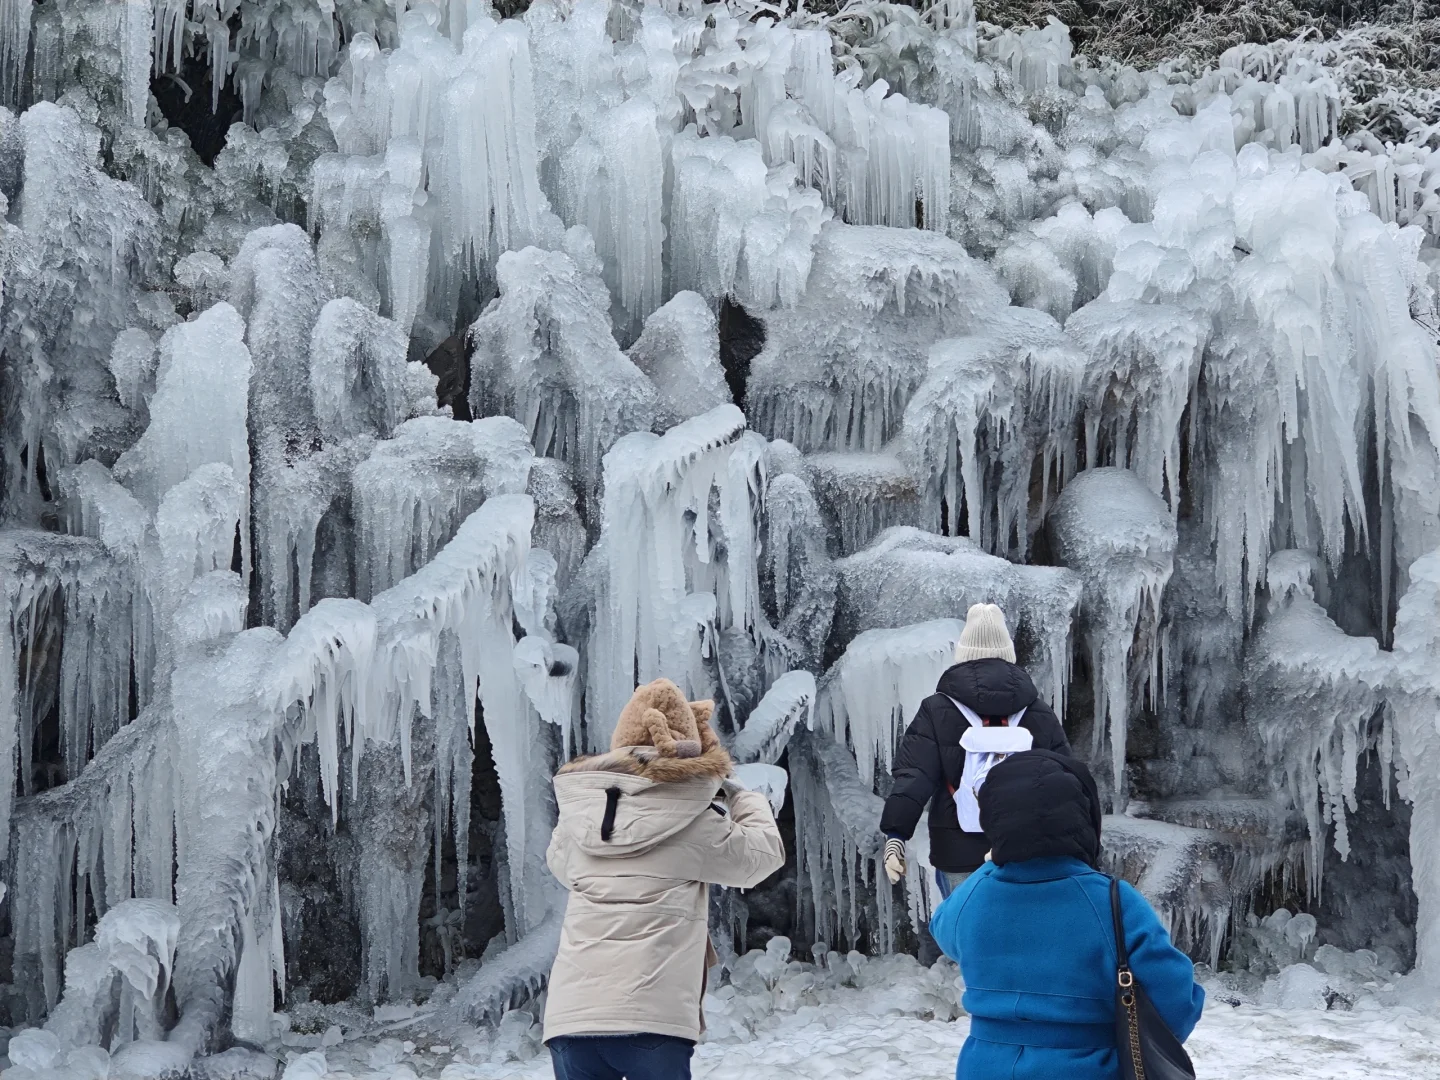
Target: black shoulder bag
(1148, 1048)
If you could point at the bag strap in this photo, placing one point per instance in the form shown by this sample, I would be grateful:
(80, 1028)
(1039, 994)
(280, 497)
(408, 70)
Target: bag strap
(1130, 1035)
(1122, 954)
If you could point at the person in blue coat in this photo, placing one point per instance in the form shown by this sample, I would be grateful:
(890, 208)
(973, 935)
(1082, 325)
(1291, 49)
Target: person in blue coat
(1032, 933)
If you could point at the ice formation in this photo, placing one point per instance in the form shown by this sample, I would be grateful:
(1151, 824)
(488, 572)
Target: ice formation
(1118, 536)
(767, 731)
(352, 473)
(874, 690)
(663, 595)
(1313, 692)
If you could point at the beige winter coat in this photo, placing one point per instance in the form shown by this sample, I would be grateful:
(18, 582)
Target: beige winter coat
(635, 946)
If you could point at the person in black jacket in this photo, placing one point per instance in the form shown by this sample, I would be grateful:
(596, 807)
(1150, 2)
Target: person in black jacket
(983, 709)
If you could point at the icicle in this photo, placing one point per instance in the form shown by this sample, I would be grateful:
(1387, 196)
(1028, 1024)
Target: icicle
(414, 491)
(464, 590)
(837, 845)
(14, 44)
(135, 22)
(613, 186)
(1144, 363)
(837, 372)
(67, 594)
(69, 833)
(324, 664)
(490, 170)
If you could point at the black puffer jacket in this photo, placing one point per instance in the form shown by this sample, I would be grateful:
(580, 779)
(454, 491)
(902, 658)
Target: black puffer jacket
(930, 761)
(1041, 805)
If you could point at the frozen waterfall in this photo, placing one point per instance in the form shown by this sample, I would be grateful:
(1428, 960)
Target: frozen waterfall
(354, 468)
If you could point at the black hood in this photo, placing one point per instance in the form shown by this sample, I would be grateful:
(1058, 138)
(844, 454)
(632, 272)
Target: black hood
(1040, 804)
(992, 687)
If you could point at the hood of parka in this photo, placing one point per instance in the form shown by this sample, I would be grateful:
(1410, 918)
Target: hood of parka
(991, 687)
(655, 797)
(1039, 804)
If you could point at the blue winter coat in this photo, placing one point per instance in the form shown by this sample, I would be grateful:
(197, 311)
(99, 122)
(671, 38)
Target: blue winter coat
(1035, 945)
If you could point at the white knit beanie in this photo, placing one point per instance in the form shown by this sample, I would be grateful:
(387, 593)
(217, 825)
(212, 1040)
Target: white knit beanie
(984, 635)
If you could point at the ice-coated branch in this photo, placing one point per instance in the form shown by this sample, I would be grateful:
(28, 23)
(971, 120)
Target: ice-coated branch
(787, 706)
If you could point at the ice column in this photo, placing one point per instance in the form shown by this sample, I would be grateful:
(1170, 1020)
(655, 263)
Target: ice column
(489, 170)
(135, 39)
(359, 378)
(226, 817)
(1282, 409)
(199, 413)
(650, 617)
(679, 350)
(545, 354)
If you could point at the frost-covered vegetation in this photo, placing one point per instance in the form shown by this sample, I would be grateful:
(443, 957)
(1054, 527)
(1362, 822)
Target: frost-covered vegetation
(357, 455)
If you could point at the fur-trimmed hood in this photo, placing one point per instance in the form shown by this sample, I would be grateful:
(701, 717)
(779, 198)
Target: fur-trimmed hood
(650, 763)
(647, 797)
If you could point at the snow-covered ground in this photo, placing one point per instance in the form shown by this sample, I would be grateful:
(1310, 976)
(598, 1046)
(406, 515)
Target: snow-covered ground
(899, 1021)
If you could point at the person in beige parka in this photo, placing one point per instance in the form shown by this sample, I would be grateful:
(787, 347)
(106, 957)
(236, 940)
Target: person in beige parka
(644, 830)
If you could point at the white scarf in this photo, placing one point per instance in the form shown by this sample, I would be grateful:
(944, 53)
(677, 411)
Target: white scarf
(985, 747)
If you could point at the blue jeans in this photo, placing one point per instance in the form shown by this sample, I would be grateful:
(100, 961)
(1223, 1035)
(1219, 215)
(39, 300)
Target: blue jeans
(949, 882)
(611, 1057)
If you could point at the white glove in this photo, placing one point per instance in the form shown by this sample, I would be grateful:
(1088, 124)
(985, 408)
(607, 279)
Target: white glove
(732, 787)
(894, 860)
